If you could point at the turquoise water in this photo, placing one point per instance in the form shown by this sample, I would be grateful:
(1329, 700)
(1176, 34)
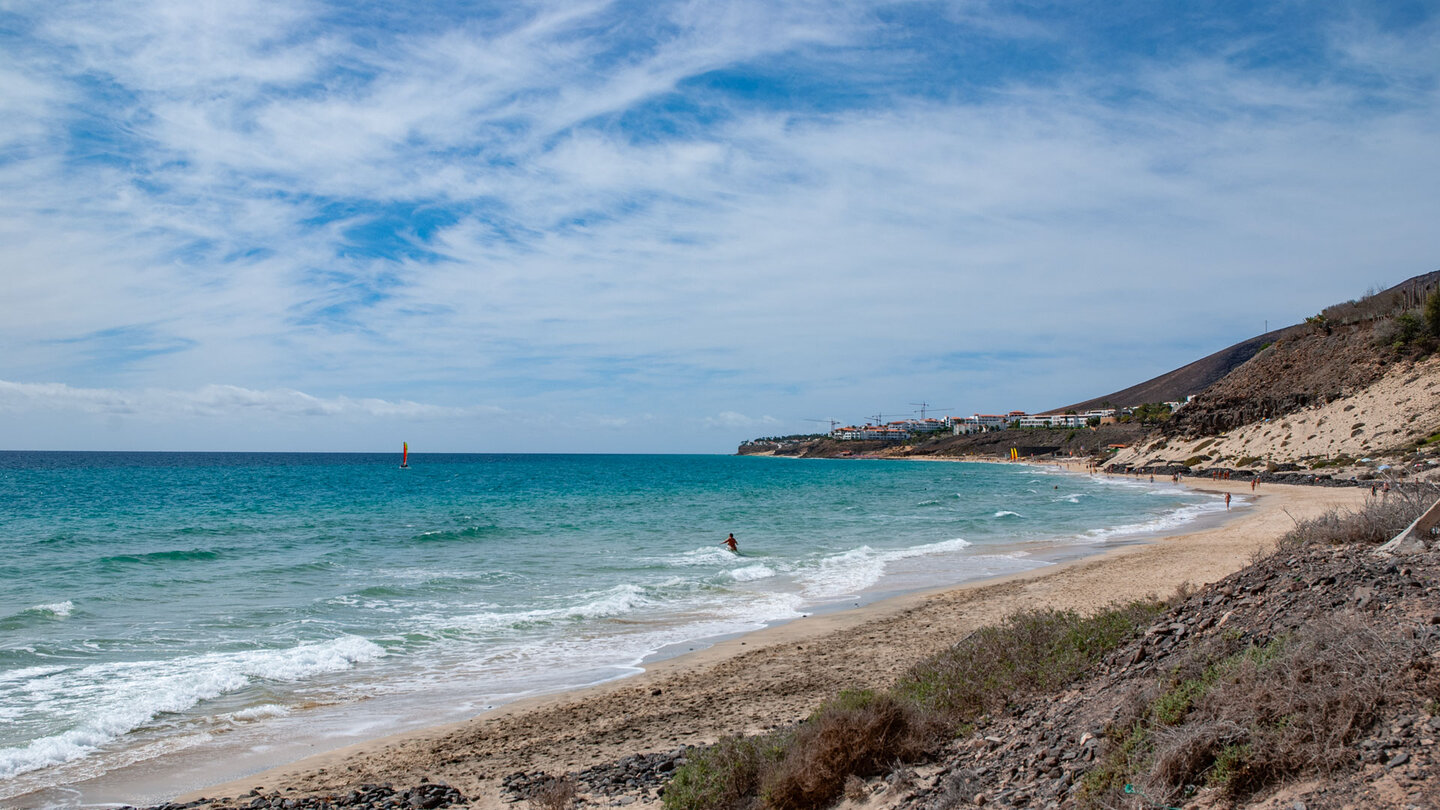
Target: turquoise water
(151, 603)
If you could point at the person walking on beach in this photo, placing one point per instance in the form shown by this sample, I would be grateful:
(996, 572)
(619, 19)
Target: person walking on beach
(1227, 500)
(731, 544)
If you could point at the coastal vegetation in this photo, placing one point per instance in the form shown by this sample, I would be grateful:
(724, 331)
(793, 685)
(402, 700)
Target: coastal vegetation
(1415, 331)
(1237, 715)
(1226, 706)
(863, 733)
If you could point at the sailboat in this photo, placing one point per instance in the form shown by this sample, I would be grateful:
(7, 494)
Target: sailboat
(404, 455)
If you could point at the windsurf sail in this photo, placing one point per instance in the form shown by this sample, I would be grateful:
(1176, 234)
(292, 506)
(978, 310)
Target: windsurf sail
(404, 454)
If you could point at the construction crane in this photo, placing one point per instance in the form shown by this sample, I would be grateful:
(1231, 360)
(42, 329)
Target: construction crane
(880, 417)
(831, 422)
(926, 406)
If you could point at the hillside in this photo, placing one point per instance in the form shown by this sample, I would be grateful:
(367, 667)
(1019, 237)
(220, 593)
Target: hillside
(1355, 320)
(1354, 394)
(1311, 367)
(1306, 680)
(1351, 395)
(1187, 380)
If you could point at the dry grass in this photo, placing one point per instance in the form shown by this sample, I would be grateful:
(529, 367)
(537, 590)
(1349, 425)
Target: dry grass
(864, 733)
(1295, 713)
(860, 735)
(1027, 654)
(855, 789)
(1380, 519)
(1251, 719)
(557, 794)
(1240, 719)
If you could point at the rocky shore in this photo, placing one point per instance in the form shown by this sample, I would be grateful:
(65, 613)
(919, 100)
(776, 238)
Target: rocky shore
(1040, 753)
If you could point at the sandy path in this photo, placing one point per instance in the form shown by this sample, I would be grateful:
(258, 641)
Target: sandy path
(779, 675)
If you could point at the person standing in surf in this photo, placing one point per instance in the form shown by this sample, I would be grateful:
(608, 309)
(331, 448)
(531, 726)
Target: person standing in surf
(731, 544)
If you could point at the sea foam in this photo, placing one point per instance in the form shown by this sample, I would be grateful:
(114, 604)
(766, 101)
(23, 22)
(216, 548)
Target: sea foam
(528, 571)
(854, 570)
(59, 610)
(105, 701)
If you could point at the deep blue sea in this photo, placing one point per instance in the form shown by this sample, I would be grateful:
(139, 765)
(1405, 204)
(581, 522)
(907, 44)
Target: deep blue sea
(192, 607)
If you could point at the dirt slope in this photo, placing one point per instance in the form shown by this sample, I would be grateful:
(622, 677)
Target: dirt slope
(1187, 380)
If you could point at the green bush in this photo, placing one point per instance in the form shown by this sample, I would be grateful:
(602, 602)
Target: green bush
(861, 733)
(1026, 654)
(725, 776)
(1250, 718)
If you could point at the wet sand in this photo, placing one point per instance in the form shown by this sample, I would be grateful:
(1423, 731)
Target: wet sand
(778, 675)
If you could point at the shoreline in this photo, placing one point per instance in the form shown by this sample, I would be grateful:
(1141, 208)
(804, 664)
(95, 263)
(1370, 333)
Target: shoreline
(232, 752)
(777, 675)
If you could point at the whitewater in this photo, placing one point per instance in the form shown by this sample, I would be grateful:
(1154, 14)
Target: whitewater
(175, 609)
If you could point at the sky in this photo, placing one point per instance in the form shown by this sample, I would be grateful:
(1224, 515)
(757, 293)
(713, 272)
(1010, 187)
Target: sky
(658, 226)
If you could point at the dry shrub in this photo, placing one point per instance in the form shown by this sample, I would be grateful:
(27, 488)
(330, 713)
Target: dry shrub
(556, 794)
(1028, 653)
(855, 789)
(1374, 523)
(1278, 712)
(859, 735)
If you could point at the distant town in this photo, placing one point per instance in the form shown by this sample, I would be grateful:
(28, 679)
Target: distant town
(903, 429)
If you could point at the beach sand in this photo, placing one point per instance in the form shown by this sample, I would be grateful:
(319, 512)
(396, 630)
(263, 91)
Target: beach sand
(778, 675)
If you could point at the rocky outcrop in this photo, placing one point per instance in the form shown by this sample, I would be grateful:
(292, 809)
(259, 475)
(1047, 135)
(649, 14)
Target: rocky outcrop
(1040, 754)
(1313, 367)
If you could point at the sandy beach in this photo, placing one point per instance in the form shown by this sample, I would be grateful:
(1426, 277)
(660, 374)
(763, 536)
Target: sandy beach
(778, 675)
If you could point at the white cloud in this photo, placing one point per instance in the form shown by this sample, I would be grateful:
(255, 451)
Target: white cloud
(217, 401)
(755, 257)
(730, 420)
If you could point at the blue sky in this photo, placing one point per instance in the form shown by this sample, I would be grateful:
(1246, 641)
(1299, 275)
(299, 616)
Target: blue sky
(620, 226)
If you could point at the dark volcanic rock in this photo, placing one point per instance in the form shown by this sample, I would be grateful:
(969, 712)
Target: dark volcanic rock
(1037, 754)
(425, 796)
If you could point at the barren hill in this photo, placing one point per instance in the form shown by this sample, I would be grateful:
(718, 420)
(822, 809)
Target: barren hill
(1310, 367)
(1186, 380)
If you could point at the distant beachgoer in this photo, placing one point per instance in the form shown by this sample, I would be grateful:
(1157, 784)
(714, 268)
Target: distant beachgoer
(1227, 500)
(731, 544)
(1253, 482)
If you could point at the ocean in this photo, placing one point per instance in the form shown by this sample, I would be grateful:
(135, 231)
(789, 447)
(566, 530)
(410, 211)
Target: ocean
(172, 618)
